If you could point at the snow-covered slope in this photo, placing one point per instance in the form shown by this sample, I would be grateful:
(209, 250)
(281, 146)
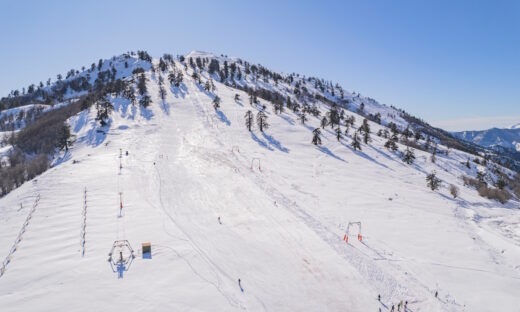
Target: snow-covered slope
(219, 204)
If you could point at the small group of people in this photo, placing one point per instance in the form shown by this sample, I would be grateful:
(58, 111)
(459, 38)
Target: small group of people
(400, 305)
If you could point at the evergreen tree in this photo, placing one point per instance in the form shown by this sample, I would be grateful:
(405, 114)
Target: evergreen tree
(162, 92)
(249, 119)
(333, 116)
(104, 108)
(432, 181)
(64, 137)
(417, 135)
(409, 156)
(303, 118)
(316, 136)
(261, 121)
(355, 142)
(407, 133)
(171, 77)
(339, 135)
(141, 85)
(216, 102)
(178, 79)
(365, 130)
(391, 145)
(324, 122)
(145, 101)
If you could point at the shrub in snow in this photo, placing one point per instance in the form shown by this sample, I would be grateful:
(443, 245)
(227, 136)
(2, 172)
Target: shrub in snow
(454, 191)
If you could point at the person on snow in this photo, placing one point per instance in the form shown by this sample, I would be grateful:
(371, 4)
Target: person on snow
(436, 293)
(392, 310)
(379, 297)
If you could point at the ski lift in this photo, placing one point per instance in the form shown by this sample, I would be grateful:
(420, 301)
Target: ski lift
(359, 236)
(255, 163)
(120, 257)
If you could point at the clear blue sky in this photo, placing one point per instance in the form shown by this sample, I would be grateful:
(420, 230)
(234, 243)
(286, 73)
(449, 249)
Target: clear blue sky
(454, 63)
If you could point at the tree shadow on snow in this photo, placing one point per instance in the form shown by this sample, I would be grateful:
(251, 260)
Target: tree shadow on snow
(146, 112)
(327, 151)
(165, 107)
(362, 154)
(274, 142)
(81, 121)
(181, 90)
(223, 118)
(260, 142)
(288, 119)
(96, 135)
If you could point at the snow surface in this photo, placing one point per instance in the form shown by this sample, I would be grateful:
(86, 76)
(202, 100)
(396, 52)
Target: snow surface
(281, 230)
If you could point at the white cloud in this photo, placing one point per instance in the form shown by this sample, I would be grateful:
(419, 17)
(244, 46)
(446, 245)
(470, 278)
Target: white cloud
(476, 123)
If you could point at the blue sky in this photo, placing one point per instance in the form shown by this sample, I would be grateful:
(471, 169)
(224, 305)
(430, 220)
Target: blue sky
(455, 64)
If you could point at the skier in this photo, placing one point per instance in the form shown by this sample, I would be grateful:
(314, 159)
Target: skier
(240, 285)
(126, 153)
(405, 305)
(436, 293)
(392, 310)
(219, 220)
(379, 297)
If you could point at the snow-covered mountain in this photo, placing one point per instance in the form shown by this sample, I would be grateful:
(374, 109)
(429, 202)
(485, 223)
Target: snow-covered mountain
(508, 138)
(249, 220)
(516, 126)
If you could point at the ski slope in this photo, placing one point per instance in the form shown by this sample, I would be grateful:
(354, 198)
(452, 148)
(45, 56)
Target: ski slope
(283, 206)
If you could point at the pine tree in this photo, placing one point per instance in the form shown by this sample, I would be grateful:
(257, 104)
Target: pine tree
(407, 133)
(432, 181)
(324, 122)
(261, 121)
(339, 135)
(316, 136)
(409, 156)
(162, 65)
(141, 85)
(216, 102)
(365, 130)
(145, 101)
(333, 116)
(303, 118)
(249, 119)
(355, 142)
(64, 137)
(171, 77)
(104, 108)
(390, 144)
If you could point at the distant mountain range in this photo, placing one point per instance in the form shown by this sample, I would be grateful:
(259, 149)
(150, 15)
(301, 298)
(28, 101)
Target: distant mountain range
(508, 138)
